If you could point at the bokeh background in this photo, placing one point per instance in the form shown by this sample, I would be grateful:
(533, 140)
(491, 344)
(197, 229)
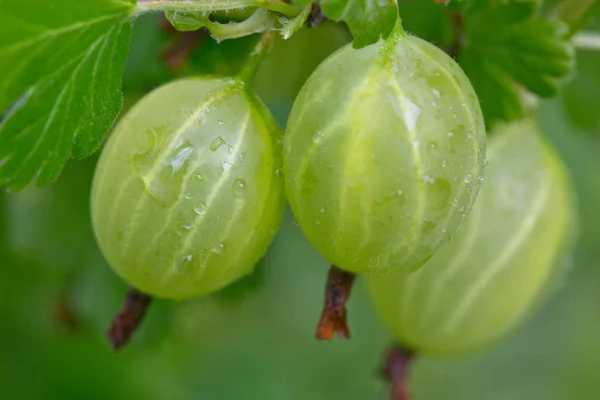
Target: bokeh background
(255, 340)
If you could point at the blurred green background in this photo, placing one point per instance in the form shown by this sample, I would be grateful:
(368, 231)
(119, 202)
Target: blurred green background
(255, 340)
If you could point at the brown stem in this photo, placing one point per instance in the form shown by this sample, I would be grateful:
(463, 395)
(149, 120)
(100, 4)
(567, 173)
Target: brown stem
(395, 370)
(177, 52)
(65, 313)
(333, 319)
(65, 316)
(128, 319)
(316, 16)
(458, 41)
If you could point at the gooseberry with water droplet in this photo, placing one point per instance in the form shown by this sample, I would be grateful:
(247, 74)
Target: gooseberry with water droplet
(176, 210)
(502, 263)
(371, 121)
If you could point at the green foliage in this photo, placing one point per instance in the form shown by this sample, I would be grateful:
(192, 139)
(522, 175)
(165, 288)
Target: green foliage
(368, 20)
(258, 332)
(62, 63)
(508, 43)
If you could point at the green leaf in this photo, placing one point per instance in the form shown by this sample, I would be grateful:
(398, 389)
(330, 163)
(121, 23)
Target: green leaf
(368, 20)
(62, 62)
(508, 44)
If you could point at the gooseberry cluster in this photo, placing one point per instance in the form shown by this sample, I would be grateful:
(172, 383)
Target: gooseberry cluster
(382, 161)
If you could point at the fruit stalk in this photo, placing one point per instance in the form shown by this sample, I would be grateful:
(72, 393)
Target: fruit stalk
(316, 16)
(177, 52)
(458, 35)
(129, 318)
(259, 53)
(334, 316)
(395, 370)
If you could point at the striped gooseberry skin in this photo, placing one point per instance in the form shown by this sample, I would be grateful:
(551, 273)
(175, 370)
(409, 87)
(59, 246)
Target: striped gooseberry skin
(187, 194)
(383, 154)
(502, 262)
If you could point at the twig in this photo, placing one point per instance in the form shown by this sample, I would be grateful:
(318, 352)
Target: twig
(458, 40)
(316, 16)
(334, 316)
(128, 319)
(176, 53)
(395, 370)
(64, 314)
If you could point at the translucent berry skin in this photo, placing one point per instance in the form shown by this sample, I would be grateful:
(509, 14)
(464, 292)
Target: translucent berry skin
(383, 153)
(187, 194)
(503, 261)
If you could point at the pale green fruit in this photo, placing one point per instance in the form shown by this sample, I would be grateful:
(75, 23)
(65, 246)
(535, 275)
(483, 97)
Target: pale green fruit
(383, 153)
(502, 262)
(187, 194)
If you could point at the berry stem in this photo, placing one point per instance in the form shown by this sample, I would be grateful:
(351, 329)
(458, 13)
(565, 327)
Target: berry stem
(334, 316)
(129, 318)
(316, 16)
(395, 370)
(200, 6)
(258, 54)
(458, 35)
(177, 52)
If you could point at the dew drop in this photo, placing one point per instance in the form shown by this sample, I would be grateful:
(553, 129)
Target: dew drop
(218, 142)
(200, 209)
(200, 177)
(468, 177)
(322, 210)
(411, 114)
(220, 122)
(450, 134)
(184, 230)
(318, 137)
(219, 247)
(239, 187)
(227, 166)
(428, 179)
(400, 192)
(444, 163)
(181, 157)
(436, 93)
(188, 195)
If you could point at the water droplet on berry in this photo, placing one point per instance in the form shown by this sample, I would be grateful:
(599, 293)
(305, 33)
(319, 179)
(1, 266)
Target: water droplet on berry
(239, 187)
(218, 142)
